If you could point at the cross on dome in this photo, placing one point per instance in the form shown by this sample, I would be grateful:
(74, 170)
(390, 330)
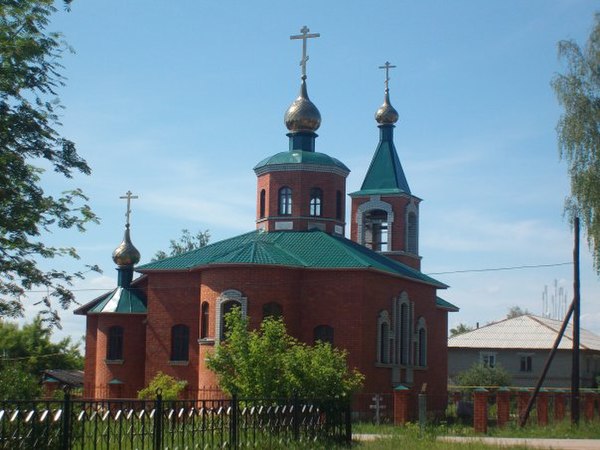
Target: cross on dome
(304, 36)
(387, 66)
(129, 196)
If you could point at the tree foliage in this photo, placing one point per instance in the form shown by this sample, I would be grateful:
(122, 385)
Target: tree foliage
(460, 329)
(516, 311)
(29, 141)
(480, 375)
(186, 243)
(169, 387)
(270, 363)
(31, 347)
(578, 92)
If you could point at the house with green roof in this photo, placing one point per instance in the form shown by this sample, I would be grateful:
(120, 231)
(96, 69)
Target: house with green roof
(366, 294)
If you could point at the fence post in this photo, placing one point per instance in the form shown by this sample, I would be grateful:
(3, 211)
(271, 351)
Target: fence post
(503, 406)
(589, 405)
(480, 410)
(295, 417)
(65, 438)
(158, 421)
(542, 407)
(233, 422)
(422, 411)
(522, 401)
(559, 405)
(401, 394)
(349, 421)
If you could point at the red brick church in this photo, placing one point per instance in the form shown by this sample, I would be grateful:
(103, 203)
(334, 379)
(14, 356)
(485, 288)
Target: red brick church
(365, 294)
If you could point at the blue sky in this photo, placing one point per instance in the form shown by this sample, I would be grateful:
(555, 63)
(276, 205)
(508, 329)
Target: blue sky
(177, 101)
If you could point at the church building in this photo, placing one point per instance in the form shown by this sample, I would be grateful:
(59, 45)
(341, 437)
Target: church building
(365, 294)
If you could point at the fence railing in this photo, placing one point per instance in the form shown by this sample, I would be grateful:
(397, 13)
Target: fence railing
(161, 424)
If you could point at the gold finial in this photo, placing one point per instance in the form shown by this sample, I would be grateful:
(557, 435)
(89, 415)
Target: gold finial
(304, 36)
(386, 114)
(129, 196)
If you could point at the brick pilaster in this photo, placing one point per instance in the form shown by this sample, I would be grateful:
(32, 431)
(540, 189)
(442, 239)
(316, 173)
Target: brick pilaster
(559, 406)
(480, 410)
(503, 406)
(589, 403)
(401, 402)
(541, 405)
(522, 401)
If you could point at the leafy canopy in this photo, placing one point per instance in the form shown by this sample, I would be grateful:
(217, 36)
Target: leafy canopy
(29, 140)
(459, 329)
(169, 386)
(480, 375)
(578, 92)
(186, 243)
(269, 363)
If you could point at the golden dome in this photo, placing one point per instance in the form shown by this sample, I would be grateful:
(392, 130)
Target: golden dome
(302, 115)
(126, 254)
(386, 114)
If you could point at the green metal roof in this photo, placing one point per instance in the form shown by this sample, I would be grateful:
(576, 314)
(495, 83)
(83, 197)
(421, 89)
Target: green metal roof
(385, 174)
(120, 300)
(301, 157)
(302, 249)
(441, 303)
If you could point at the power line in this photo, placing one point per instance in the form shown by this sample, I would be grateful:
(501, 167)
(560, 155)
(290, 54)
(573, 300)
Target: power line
(497, 269)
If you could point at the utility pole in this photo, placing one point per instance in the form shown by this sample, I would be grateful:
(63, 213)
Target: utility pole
(576, 314)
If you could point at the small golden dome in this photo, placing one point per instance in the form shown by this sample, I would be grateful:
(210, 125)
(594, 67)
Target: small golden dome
(126, 254)
(302, 115)
(386, 114)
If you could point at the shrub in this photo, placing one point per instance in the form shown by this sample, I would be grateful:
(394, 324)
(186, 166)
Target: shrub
(480, 375)
(171, 387)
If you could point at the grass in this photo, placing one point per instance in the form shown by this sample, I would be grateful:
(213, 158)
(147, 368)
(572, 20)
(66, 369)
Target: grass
(410, 436)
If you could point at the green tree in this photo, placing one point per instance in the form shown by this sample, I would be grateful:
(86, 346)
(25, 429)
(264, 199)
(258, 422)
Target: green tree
(516, 311)
(186, 243)
(31, 348)
(29, 119)
(460, 329)
(170, 387)
(578, 92)
(18, 384)
(480, 375)
(270, 363)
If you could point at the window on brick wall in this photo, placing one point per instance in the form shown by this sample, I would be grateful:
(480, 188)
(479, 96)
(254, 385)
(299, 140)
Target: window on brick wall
(383, 338)
(262, 202)
(228, 300)
(412, 234)
(421, 351)
(204, 316)
(180, 338)
(285, 201)
(316, 200)
(338, 205)
(323, 333)
(272, 309)
(114, 349)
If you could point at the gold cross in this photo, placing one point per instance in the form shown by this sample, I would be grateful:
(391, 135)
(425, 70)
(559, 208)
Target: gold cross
(129, 196)
(304, 36)
(387, 66)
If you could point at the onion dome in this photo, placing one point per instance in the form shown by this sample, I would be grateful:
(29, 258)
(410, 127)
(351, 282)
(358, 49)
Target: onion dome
(302, 115)
(126, 254)
(386, 114)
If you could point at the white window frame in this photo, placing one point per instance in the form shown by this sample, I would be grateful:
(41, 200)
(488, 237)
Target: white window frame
(230, 295)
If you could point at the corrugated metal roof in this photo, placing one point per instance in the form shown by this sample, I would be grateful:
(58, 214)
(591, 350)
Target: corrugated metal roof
(301, 157)
(527, 331)
(303, 249)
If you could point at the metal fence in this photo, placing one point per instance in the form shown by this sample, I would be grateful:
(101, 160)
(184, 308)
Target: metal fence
(182, 424)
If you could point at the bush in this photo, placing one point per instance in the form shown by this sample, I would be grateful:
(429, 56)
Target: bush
(480, 375)
(171, 387)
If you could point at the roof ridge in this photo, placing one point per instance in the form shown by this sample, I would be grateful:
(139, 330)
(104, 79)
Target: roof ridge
(565, 335)
(302, 261)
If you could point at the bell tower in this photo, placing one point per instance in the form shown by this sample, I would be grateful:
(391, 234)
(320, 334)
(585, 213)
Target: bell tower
(385, 214)
(301, 189)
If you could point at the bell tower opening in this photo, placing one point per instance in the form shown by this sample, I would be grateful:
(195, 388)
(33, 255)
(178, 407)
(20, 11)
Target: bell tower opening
(376, 230)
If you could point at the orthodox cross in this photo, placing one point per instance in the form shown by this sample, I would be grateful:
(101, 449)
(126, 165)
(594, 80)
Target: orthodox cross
(304, 36)
(129, 196)
(387, 66)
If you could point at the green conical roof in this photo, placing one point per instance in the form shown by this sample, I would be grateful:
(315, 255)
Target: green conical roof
(385, 174)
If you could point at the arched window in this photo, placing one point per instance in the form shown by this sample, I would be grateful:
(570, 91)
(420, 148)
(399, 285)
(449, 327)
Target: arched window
(316, 200)
(285, 201)
(421, 350)
(323, 333)
(180, 339)
(412, 237)
(376, 230)
(204, 316)
(114, 350)
(383, 338)
(404, 333)
(225, 303)
(261, 204)
(338, 205)
(272, 309)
